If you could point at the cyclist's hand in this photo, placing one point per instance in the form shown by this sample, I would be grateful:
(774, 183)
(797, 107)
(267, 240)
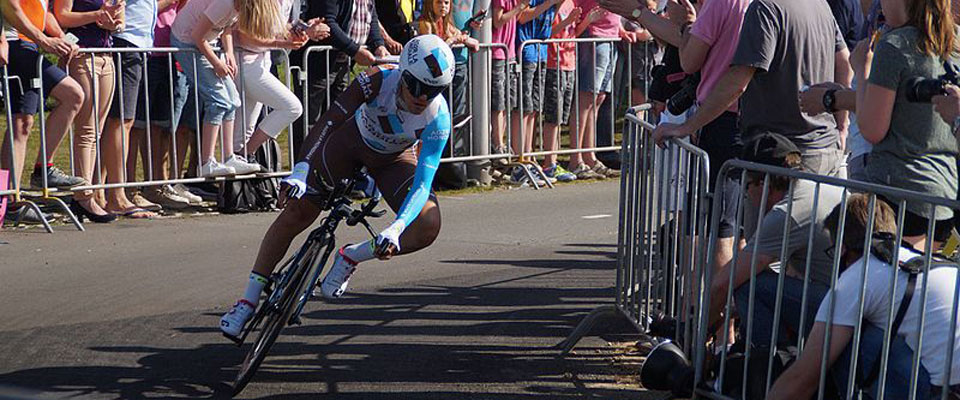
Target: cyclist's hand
(295, 185)
(388, 241)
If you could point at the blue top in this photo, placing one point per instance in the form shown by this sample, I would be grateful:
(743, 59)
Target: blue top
(849, 19)
(462, 11)
(538, 28)
(140, 19)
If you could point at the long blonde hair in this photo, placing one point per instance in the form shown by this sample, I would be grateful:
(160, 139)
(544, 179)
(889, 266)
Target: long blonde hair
(428, 22)
(259, 18)
(934, 19)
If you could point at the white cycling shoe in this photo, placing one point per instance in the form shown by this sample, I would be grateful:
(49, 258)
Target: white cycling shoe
(232, 322)
(335, 283)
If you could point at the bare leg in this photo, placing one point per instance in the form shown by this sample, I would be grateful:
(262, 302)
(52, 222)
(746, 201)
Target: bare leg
(208, 141)
(590, 135)
(423, 231)
(22, 125)
(227, 133)
(515, 142)
(295, 218)
(551, 142)
(499, 126)
(257, 140)
(584, 107)
(160, 147)
(136, 148)
(69, 95)
(530, 121)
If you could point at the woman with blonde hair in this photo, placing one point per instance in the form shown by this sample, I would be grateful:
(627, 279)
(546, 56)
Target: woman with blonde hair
(914, 148)
(260, 28)
(437, 20)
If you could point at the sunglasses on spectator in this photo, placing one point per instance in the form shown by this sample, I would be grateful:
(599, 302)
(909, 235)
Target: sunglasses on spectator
(420, 89)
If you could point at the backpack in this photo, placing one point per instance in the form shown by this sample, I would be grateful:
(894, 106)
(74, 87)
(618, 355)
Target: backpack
(255, 194)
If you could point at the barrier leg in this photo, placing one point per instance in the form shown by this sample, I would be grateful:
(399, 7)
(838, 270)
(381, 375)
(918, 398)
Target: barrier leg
(585, 325)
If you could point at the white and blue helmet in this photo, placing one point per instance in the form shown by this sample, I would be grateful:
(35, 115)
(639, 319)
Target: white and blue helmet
(428, 59)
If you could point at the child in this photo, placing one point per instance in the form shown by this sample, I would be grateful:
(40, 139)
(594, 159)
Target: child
(504, 31)
(197, 26)
(560, 85)
(436, 20)
(535, 23)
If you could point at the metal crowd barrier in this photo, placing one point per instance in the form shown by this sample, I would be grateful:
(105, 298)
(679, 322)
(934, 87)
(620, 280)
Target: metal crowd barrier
(713, 382)
(663, 204)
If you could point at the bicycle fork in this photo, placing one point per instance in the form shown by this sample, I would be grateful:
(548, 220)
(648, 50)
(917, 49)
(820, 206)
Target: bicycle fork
(311, 283)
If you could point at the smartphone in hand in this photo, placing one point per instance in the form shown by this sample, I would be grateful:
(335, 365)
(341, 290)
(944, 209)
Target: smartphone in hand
(478, 17)
(299, 27)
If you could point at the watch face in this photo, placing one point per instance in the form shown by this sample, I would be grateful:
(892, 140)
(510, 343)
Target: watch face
(636, 13)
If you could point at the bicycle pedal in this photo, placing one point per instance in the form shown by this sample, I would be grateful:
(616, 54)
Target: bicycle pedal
(234, 339)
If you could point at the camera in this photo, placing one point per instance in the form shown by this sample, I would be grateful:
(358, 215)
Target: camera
(683, 99)
(922, 90)
(667, 368)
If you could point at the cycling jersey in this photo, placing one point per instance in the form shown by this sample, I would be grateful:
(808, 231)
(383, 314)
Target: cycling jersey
(387, 129)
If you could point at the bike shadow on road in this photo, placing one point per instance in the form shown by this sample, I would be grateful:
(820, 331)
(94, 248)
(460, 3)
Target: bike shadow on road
(434, 340)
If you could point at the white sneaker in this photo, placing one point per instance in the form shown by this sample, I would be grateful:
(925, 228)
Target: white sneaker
(241, 165)
(232, 322)
(184, 192)
(335, 283)
(213, 168)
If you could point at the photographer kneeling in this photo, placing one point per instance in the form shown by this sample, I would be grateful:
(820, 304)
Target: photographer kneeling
(801, 380)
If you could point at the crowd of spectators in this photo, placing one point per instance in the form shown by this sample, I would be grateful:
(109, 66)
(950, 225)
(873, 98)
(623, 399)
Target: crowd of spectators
(822, 86)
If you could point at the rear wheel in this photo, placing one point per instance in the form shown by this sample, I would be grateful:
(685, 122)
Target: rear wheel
(274, 317)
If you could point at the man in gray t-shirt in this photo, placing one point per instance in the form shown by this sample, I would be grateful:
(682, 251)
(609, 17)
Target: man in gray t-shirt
(784, 46)
(799, 214)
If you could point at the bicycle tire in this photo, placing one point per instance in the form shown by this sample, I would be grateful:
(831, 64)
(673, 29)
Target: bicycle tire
(275, 321)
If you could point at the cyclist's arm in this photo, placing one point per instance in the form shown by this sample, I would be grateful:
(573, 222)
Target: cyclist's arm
(432, 142)
(364, 87)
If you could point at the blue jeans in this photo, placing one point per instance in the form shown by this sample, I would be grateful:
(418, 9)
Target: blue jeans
(595, 69)
(764, 305)
(218, 96)
(898, 366)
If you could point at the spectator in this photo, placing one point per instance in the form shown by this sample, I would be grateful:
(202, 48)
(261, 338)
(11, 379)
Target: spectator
(28, 28)
(766, 245)
(198, 24)
(868, 273)
(560, 85)
(643, 53)
(260, 86)
(396, 23)
(783, 46)
(533, 23)
(352, 24)
(708, 48)
(91, 21)
(164, 116)
(505, 14)
(135, 31)
(913, 148)
(437, 20)
(596, 67)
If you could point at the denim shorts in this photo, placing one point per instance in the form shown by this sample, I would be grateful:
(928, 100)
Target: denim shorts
(218, 96)
(24, 97)
(130, 77)
(498, 83)
(595, 70)
(531, 78)
(558, 95)
(159, 89)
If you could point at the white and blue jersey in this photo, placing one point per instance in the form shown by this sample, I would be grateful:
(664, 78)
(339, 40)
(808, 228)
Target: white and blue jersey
(387, 129)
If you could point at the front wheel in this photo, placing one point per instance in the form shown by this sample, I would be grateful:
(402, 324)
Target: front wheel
(275, 317)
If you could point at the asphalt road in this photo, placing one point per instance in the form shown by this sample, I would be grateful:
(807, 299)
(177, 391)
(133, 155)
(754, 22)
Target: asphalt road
(130, 310)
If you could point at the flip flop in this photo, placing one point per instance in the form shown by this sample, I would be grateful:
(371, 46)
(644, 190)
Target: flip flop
(137, 213)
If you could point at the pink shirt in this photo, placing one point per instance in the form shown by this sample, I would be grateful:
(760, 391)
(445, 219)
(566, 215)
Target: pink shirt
(607, 26)
(161, 35)
(220, 12)
(507, 33)
(568, 51)
(718, 25)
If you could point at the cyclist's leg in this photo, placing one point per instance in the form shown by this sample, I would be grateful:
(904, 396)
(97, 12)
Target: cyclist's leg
(394, 180)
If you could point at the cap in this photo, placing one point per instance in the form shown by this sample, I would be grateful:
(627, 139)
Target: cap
(769, 148)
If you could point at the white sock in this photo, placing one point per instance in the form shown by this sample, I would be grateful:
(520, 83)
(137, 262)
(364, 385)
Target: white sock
(254, 287)
(360, 252)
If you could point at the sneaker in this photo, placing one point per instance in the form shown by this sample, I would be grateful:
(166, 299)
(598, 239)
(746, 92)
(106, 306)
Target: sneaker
(501, 161)
(213, 168)
(601, 169)
(559, 173)
(55, 178)
(26, 215)
(536, 171)
(238, 163)
(167, 197)
(182, 191)
(232, 322)
(335, 283)
(582, 171)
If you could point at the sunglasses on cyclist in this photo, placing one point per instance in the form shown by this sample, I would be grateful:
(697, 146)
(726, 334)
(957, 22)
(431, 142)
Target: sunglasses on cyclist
(419, 89)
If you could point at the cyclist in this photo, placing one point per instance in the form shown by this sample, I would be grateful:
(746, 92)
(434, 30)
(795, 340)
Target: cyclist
(375, 124)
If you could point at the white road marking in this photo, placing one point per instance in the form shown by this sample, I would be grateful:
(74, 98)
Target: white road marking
(598, 216)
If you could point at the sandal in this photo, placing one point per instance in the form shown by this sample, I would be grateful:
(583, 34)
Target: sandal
(136, 213)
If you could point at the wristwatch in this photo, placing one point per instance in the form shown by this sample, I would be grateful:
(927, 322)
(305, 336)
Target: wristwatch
(830, 100)
(636, 13)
